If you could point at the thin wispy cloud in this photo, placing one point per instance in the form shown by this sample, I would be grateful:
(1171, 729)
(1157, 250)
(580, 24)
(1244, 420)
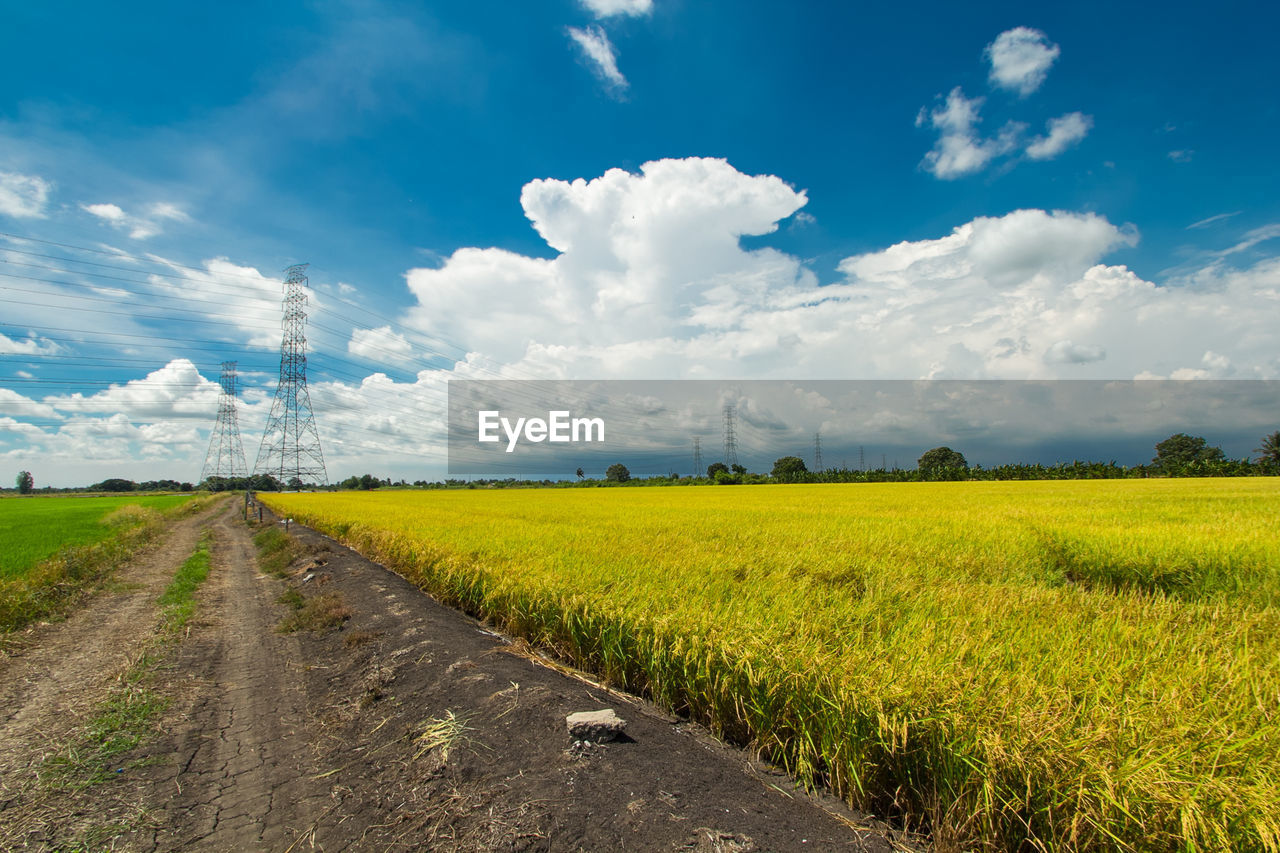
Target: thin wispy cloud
(1205, 223)
(603, 58)
(612, 8)
(139, 227)
(23, 196)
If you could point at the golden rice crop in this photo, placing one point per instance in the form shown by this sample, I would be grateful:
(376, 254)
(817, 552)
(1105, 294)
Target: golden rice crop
(1070, 665)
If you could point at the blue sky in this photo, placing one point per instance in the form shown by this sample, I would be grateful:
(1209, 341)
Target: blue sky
(1076, 191)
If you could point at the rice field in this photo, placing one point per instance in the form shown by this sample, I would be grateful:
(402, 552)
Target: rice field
(1072, 665)
(35, 528)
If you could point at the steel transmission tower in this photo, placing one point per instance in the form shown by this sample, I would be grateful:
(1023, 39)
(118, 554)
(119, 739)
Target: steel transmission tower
(730, 440)
(817, 451)
(290, 444)
(697, 457)
(226, 455)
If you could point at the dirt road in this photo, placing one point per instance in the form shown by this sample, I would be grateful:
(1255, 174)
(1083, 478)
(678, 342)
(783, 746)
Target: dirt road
(410, 727)
(64, 670)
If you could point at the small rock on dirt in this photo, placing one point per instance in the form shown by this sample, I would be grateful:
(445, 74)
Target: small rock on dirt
(596, 726)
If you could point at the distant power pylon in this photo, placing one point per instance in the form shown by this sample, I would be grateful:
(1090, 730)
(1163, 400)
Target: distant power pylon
(730, 440)
(226, 455)
(817, 451)
(697, 456)
(290, 444)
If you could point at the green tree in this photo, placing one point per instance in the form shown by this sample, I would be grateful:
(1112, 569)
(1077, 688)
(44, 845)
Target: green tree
(788, 469)
(115, 484)
(939, 460)
(1181, 449)
(1270, 450)
(25, 482)
(617, 473)
(264, 483)
(715, 468)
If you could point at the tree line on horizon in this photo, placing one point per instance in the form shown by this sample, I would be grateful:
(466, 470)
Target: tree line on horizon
(1179, 455)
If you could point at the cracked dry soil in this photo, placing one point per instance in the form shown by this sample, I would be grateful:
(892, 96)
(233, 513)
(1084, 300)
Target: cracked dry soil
(412, 727)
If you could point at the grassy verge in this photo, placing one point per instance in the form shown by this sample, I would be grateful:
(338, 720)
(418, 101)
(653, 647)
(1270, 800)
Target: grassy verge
(129, 715)
(278, 550)
(53, 586)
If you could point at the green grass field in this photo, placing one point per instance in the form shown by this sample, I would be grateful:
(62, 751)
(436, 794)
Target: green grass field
(1032, 665)
(35, 528)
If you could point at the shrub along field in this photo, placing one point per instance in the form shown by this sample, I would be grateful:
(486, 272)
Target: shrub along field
(1077, 665)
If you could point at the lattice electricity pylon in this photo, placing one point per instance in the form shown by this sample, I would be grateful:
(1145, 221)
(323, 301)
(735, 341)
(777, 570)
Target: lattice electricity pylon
(226, 455)
(817, 451)
(730, 439)
(697, 457)
(290, 444)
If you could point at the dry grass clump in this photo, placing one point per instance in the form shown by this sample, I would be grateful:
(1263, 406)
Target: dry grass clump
(315, 613)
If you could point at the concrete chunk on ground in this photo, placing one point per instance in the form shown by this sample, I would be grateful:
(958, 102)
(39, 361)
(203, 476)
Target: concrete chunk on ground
(597, 726)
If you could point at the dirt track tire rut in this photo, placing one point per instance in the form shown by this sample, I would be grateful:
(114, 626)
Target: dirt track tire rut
(241, 771)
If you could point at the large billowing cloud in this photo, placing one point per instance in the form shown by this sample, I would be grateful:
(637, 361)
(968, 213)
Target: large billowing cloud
(651, 281)
(642, 257)
(177, 390)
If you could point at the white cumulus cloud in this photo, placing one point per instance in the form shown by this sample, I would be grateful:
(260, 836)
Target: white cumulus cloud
(13, 403)
(599, 51)
(651, 253)
(23, 196)
(960, 149)
(1064, 131)
(651, 280)
(33, 345)
(177, 390)
(110, 212)
(1020, 59)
